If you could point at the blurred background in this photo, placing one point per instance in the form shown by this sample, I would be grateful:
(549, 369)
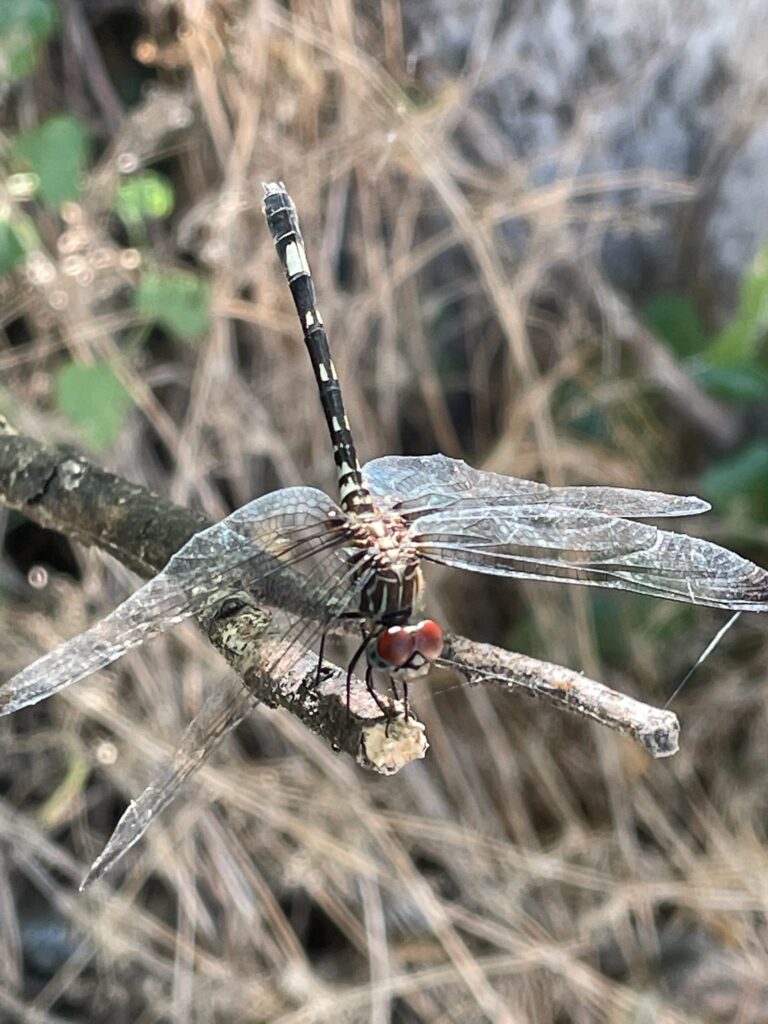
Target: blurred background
(539, 236)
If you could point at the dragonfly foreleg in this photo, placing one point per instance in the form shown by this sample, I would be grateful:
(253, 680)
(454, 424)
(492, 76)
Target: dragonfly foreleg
(351, 668)
(386, 712)
(320, 658)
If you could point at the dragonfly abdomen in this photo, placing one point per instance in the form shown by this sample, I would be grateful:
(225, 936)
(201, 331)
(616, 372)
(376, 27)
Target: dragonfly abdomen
(284, 226)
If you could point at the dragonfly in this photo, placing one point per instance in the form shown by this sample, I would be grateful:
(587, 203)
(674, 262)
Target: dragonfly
(362, 556)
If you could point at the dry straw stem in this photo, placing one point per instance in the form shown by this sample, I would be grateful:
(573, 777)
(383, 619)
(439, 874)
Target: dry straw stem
(67, 493)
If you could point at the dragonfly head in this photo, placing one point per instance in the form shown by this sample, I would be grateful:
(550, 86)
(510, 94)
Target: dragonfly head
(406, 650)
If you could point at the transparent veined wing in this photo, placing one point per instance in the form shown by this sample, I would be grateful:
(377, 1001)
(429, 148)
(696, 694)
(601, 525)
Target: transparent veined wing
(251, 549)
(221, 713)
(549, 542)
(335, 588)
(416, 485)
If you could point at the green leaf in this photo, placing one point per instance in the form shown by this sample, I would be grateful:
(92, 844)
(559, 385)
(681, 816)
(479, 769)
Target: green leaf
(11, 250)
(738, 384)
(18, 238)
(36, 16)
(57, 153)
(178, 301)
(738, 341)
(24, 24)
(734, 345)
(675, 320)
(742, 475)
(147, 196)
(754, 292)
(94, 399)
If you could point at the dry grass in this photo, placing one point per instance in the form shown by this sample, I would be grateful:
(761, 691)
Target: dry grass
(533, 869)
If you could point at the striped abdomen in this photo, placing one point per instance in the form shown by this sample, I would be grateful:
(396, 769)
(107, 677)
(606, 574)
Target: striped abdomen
(284, 226)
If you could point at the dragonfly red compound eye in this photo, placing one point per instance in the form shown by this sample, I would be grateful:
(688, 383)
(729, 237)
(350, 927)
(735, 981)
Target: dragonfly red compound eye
(428, 638)
(395, 646)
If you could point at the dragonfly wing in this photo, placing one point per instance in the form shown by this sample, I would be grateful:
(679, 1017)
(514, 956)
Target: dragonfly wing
(337, 589)
(553, 543)
(251, 548)
(416, 485)
(220, 714)
(156, 606)
(255, 546)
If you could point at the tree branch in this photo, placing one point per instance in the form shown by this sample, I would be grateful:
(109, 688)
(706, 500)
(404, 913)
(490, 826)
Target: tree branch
(656, 729)
(65, 492)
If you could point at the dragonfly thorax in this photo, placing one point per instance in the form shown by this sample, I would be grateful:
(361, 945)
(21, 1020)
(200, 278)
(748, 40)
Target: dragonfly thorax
(390, 563)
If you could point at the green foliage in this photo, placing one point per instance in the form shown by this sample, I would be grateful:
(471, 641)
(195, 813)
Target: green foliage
(620, 618)
(675, 319)
(611, 633)
(18, 236)
(733, 365)
(92, 398)
(24, 25)
(11, 249)
(56, 152)
(739, 478)
(738, 343)
(36, 16)
(577, 413)
(176, 300)
(145, 196)
(740, 385)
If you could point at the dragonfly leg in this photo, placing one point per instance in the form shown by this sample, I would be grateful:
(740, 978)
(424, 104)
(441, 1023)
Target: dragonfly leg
(395, 694)
(377, 699)
(320, 658)
(351, 668)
